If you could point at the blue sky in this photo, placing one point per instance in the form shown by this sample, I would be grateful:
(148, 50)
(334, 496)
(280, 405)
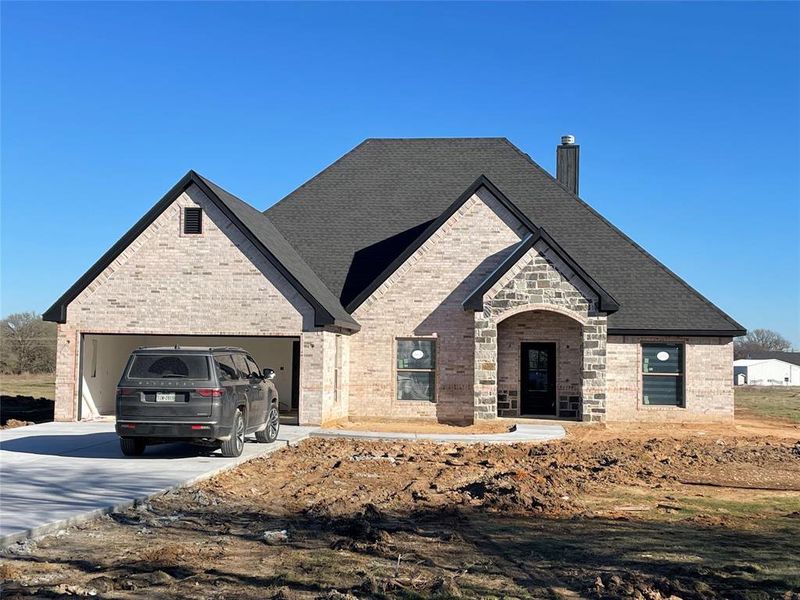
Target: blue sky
(687, 115)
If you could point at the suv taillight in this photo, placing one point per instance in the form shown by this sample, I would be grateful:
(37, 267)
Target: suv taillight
(125, 391)
(210, 392)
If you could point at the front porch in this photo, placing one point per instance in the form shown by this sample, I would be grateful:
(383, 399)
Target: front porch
(540, 337)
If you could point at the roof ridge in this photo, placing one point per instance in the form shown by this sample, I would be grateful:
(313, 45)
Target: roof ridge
(442, 138)
(317, 176)
(626, 238)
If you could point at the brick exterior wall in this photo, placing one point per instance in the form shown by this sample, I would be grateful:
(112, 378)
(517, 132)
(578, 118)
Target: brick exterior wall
(216, 283)
(423, 298)
(708, 380)
(539, 285)
(165, 282)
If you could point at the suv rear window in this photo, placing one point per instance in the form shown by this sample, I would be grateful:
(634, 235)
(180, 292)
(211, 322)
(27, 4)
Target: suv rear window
(169, 366)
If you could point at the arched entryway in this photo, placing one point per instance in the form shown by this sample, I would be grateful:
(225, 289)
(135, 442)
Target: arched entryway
(539, 365)
(581, 337)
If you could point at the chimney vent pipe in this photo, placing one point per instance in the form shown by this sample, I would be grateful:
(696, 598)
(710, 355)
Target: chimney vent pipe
(567, 163)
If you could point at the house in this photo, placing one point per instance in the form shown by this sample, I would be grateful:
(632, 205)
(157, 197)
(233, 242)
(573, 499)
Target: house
(767, 368)
(449, 279)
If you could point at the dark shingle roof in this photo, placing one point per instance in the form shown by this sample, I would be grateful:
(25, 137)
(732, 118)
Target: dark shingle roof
(353, 219)
(789, 357)
(254, 225)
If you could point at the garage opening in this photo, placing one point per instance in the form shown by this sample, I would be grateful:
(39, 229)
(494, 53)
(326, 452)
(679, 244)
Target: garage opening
(104, 356)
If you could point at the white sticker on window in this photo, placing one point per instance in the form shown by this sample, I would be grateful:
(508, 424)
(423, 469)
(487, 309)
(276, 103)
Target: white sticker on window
(417, 354)
(662, 356)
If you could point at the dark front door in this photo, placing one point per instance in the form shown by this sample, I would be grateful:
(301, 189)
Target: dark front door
(538, 385)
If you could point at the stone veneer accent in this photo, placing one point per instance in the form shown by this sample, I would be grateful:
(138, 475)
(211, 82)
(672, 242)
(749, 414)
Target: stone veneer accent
(708, 385)
(423, 298)
(168, 283)
(540, 281)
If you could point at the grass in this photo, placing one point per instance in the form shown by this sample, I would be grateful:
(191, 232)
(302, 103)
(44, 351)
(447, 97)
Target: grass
(40, 385)
(776, 403)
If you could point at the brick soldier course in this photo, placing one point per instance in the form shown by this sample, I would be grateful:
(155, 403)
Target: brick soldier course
(463, 242)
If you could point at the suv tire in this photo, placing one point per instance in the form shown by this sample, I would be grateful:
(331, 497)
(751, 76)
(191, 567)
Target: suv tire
(132, 446)
(233, 446)
(270, 433)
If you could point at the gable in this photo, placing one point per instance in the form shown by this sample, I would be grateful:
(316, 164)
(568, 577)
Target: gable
(243, 218)
(539, 277)
(217, 281)
(469, 242)
(539, 247)
(481, 191)
(386, 190)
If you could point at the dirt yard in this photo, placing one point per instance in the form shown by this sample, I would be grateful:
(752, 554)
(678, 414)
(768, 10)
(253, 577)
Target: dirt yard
(26, 399)
(663, 512)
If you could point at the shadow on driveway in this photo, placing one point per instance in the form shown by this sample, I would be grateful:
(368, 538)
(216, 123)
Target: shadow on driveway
(97, 445)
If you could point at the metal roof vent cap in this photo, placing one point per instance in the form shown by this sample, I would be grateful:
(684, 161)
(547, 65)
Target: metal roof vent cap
(567, 139)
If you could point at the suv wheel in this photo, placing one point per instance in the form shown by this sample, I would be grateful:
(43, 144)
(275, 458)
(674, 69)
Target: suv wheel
(270, 433)
(234, 446)
(132, 446)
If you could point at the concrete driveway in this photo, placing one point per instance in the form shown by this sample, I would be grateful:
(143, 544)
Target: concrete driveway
(55, 474)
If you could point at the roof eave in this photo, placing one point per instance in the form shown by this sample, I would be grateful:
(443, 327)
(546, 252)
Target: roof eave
(678, 332)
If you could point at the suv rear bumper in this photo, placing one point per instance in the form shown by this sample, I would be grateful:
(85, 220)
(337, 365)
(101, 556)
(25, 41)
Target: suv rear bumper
(177, 431)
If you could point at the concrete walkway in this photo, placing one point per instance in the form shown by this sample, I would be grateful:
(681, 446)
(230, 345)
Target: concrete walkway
(522, 433)
(56, 474)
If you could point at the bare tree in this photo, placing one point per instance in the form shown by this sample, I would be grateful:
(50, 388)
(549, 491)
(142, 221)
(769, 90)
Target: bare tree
(27, 344)
(760, 340)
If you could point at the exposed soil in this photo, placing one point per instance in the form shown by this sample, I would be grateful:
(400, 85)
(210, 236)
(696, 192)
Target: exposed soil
(16, 411)
(702, 516)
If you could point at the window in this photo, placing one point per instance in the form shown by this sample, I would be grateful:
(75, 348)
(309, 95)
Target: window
(192, 220)
(416, 366)
(168, 366)
(254, 370)
(225, 367)
(241, 366)
(662, 374)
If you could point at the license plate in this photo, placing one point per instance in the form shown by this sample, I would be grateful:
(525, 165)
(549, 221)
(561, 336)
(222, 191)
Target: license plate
(165, 397)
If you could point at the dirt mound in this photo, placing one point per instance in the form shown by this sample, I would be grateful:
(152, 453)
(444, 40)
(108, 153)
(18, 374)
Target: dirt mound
(25, 409)
(332, 477)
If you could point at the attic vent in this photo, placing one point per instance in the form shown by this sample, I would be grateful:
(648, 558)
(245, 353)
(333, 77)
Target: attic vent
(192, 220)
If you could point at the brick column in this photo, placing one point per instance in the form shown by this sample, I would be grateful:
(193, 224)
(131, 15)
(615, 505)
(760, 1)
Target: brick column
(317, 373)
(485, 400)
(66, 402)
(593, 376)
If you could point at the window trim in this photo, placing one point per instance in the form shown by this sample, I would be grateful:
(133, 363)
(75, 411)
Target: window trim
(681, 374)
(433, 371)
(183, 220)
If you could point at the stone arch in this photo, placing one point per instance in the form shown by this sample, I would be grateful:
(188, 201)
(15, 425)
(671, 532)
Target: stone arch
(531, 307)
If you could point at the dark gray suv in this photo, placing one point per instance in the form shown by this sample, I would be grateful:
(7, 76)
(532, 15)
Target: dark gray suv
(209, 396)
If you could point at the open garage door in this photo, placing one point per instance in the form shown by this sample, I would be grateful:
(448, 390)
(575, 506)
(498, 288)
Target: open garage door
(104, 356)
